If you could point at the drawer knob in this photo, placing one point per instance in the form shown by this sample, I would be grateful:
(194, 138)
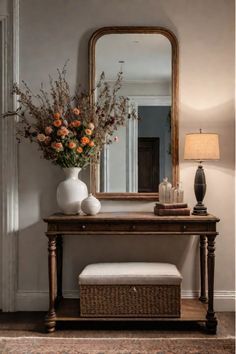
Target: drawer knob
(133, 227)
(185, 227)
(83, 227)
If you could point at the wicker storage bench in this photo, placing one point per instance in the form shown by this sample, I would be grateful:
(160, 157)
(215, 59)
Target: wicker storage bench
(133, 289)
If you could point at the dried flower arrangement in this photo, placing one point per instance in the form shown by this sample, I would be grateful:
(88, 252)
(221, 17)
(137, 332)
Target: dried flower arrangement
(71, 130)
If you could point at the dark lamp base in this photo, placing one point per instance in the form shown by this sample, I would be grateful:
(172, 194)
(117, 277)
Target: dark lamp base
(199, 209)
(200, 190)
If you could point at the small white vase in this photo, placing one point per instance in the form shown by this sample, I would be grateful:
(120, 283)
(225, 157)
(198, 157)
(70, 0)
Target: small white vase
(71, 191)
(91, 205)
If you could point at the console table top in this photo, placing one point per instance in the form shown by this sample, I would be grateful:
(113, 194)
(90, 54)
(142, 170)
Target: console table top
(130, 216)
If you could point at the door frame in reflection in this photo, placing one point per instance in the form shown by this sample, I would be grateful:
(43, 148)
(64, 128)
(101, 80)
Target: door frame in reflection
(131, 166)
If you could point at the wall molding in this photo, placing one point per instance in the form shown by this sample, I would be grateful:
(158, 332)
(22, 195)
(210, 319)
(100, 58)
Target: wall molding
(9, 158)
(132, 156)
(27, 300)
(151, 100)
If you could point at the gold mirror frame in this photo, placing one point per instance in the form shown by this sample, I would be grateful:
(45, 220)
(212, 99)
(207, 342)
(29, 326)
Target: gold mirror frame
(174, 107)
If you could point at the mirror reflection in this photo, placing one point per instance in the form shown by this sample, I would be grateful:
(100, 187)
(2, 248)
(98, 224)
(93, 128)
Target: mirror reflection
(140, 156)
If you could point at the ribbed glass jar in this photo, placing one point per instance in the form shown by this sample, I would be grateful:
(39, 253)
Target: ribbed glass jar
(165, 191)
(178, 194)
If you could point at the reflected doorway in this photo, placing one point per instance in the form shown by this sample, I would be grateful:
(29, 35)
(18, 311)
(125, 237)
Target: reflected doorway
(148, 165)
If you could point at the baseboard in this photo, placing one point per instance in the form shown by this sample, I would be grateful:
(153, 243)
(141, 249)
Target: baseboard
(38, 300)
(224, 300)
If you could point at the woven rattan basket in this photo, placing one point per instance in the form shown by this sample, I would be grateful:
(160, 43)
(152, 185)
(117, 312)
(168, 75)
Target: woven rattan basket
(130, 290)
(130, 300)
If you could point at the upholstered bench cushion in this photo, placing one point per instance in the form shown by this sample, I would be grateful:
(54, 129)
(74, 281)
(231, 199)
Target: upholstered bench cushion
(130, 273)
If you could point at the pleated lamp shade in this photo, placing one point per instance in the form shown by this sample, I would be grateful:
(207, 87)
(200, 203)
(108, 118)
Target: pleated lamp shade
(201, 146)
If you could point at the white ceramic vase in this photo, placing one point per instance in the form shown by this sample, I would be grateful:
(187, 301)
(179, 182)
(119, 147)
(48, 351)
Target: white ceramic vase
(91, 205)
(71, 191)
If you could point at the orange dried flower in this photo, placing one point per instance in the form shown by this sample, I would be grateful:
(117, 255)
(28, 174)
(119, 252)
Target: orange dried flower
(84, 140)
(48, 130)
(91, 126)
(57, 123)
(77, 123)
(79, 149)
(76, 111)
(41, 138)
(56, 115)
(72, 145)
(63, 131)
(88, 131)
(57, 146)
(91, 144)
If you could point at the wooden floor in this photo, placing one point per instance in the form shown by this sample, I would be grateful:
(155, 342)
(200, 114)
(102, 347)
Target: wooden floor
(32, 324)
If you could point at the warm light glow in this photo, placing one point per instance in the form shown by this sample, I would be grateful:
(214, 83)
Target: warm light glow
(201, 146)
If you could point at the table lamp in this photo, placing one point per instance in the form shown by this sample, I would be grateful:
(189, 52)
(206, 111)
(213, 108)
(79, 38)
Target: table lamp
(200, 147)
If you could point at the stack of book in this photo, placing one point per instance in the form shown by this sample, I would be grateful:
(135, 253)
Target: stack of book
(174, 209)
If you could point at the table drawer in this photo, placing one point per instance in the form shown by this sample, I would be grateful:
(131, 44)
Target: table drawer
(133, 227)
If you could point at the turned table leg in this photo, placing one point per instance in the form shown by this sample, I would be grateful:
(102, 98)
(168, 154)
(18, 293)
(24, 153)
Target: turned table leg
(203, 297)
(211, 323)
(50, 322)
(59, 244)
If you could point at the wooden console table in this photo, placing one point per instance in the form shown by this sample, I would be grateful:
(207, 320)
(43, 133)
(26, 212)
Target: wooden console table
(58, 225)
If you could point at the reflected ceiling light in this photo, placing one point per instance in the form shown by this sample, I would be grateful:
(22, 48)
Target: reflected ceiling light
(121, 62)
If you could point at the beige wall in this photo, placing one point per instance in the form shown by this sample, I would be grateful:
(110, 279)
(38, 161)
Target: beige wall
(3, 7)
(52, 31)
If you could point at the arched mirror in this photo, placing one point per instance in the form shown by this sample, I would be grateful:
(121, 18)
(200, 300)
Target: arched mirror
(146, 149)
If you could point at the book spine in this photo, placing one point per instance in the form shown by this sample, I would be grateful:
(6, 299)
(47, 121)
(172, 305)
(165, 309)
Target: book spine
(172, 212)
(172, 206)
